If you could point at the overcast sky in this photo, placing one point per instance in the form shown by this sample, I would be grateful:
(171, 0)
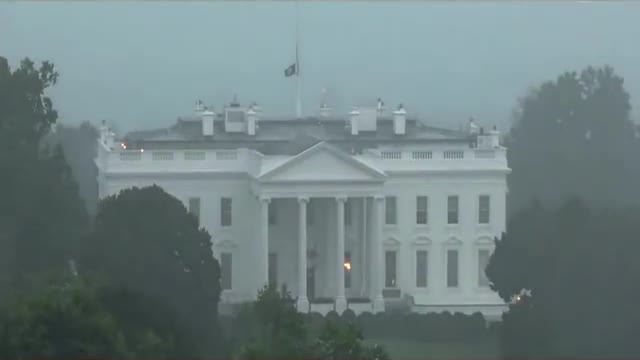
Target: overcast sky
(142, 64)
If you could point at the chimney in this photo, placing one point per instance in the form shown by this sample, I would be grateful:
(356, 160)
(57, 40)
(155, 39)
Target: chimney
(354, 116)
(380, 106)
(399, 120)
(207, 122)
(252, 120)
(494, 137)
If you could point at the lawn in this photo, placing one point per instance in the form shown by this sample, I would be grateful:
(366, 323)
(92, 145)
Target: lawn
(413, 350)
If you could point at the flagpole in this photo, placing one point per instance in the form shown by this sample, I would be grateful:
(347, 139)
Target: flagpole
(298, 80)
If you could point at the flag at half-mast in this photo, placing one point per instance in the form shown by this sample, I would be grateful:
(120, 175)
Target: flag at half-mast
(293, 69)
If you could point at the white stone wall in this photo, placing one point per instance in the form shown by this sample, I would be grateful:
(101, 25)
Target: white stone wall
(407, 178)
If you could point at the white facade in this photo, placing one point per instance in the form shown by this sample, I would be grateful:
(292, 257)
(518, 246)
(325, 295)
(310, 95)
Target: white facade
(272, 214)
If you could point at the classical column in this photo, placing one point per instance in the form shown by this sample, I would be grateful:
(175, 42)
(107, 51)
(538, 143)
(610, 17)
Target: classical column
(341, 301)
(262, 246)
(377, 261)
(303, 301)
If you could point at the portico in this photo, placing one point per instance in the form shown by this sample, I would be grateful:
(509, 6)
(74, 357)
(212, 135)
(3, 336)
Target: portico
(329, 179)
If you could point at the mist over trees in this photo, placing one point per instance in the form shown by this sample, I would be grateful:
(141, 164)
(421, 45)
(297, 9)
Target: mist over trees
(42, 218)
(134, 276)
(573, 136)
(573, 229)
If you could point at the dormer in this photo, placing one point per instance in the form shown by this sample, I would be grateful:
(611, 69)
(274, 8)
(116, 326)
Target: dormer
(235, 118)
(367, 119)
(489, 139)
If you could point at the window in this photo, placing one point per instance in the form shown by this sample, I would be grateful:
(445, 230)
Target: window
(273, 269)
(421, 210)
(347, 213)
(225, 271)
(390, 210)
(225, 211)
(484, 209)
(194, 208)
(483, 260)
(390, 269)
(421, 268)
(272, 213)
(452, 268)
(347, 270)
(452, 210)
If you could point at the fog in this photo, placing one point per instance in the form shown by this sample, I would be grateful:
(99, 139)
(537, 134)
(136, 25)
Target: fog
(140, 64)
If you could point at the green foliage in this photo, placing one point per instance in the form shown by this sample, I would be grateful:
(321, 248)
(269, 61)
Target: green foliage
(278, 331)
(573, 137)
(345, 341)
(580, 268)
(41, 215)
(144, 240)
(66, 319)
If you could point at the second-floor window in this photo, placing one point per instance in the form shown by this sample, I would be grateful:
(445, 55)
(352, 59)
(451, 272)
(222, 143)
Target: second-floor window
(452, 210)
(421, 210)
(484, 209)
(225, 212)
(390, 210)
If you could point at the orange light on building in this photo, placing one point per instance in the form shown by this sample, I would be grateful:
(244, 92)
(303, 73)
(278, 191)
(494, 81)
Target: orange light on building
(347, 265)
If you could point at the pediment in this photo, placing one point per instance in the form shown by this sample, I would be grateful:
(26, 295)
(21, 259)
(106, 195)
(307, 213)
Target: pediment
(422, 241)
(391, 242)
(453, 241)
(322, 162)
(484, 240)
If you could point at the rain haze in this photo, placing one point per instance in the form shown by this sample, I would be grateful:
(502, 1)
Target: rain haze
(353, 180)
(142, 64)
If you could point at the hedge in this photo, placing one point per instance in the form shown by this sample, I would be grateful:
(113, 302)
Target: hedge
(432, 327)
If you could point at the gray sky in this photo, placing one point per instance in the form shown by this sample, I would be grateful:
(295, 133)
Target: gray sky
(142, 64)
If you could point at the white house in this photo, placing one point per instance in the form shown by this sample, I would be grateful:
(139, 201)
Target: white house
(359, 213)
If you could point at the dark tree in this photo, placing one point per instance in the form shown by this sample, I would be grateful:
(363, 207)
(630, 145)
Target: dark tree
(574, 137)
(41, 215)
(144, 240)
(67, 319)
(580, 269)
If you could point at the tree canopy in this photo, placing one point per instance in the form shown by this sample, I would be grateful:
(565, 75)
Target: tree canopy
(581, 270)
(41, 215)
(274, 329)
(67, 319)
(573, 136)
(144, 240)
